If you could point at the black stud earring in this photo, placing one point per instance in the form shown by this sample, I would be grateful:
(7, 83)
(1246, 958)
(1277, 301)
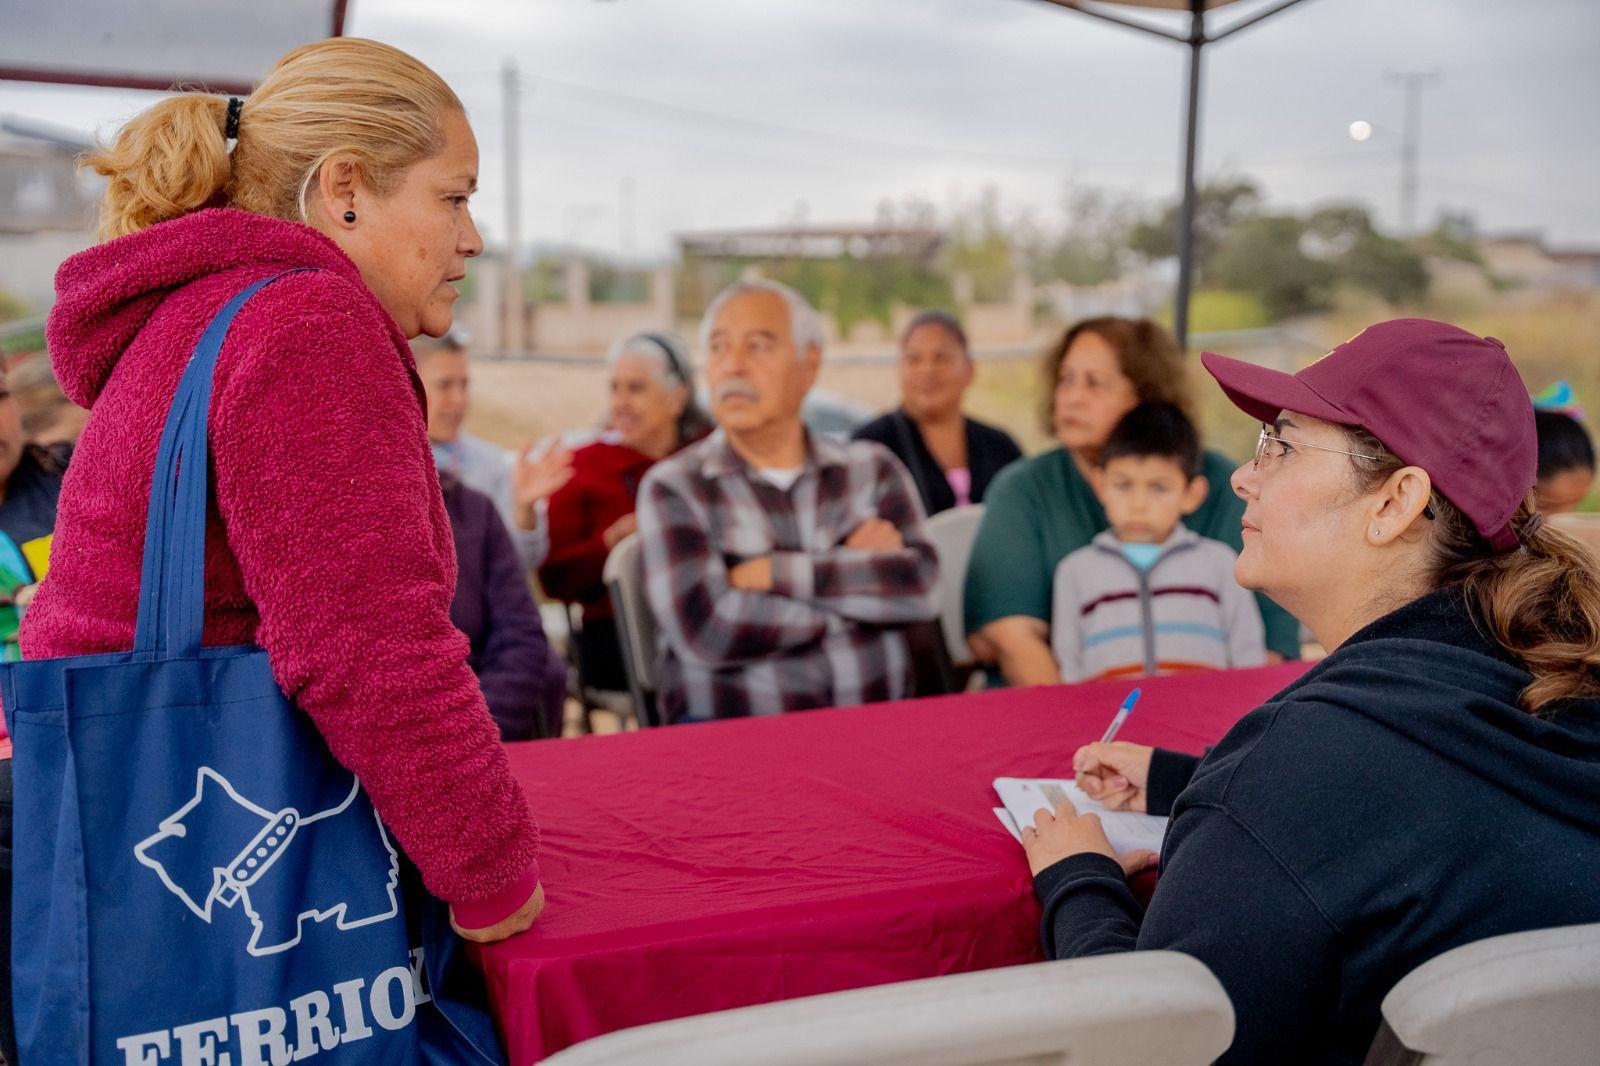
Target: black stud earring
(349, 216)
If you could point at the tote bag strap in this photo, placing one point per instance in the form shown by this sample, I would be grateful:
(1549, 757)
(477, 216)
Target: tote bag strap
(172, 578)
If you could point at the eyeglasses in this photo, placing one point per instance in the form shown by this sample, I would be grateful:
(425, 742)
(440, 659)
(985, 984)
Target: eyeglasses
(1265, 456)
(1268, 438)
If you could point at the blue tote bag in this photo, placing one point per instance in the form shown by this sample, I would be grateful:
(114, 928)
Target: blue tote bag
(197, 880)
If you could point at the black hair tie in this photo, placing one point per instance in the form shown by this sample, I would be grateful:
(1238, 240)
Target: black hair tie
(230, 130)
(675, 362)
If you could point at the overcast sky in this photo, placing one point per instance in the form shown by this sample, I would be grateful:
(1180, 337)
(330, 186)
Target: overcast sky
(722, 114)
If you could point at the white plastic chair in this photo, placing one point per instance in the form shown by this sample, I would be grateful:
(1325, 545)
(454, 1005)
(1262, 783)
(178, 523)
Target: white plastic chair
(1526, 999)
(636, 626)
(1146, 1008)
(953, 533)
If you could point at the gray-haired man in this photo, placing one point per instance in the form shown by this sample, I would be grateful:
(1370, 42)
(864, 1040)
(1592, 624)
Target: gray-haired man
(782, 567)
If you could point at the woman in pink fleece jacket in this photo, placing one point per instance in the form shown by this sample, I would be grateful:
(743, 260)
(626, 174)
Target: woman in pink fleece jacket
(327, 541)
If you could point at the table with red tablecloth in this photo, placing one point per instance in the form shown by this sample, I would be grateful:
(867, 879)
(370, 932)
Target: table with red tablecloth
(702, 867)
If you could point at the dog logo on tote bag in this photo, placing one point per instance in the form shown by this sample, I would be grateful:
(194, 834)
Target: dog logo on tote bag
(219, 847)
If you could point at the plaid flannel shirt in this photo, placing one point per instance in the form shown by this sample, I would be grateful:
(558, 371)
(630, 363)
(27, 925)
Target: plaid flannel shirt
(829, 632)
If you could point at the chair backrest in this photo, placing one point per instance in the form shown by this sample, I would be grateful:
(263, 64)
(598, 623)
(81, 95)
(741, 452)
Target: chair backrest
(1526, 998)
(636, 626)
(1150, 1008)
(952, 533)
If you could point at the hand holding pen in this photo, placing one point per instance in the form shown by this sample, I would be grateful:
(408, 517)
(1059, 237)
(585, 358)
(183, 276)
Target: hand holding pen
(1113, 772)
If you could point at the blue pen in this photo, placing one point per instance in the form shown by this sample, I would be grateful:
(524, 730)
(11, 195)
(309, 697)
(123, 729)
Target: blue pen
(1122, 716)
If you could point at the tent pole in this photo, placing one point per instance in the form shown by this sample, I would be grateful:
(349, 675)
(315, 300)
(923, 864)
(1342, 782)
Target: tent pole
(1197, 42)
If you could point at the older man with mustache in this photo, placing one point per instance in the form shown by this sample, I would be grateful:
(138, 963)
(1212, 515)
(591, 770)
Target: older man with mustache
(782, 566)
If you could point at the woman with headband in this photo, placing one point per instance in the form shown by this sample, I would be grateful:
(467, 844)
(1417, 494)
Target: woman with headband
(652, 414)
(1436, 779)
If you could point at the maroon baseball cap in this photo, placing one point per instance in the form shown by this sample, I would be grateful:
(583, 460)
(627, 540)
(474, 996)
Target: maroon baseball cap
(1437, 396)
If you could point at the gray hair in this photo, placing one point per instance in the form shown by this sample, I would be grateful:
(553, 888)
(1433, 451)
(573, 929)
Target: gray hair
(805, 325)
(664, 352)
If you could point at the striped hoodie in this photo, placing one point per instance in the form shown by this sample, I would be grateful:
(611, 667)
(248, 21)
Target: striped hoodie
(1185, 612)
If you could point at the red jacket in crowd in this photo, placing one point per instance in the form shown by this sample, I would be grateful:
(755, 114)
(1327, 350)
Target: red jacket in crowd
(605, 483)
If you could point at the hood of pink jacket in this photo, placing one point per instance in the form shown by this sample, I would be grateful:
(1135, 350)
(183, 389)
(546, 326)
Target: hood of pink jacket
(104, 296)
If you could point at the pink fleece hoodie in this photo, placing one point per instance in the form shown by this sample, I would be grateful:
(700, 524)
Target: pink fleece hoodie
(327, 541)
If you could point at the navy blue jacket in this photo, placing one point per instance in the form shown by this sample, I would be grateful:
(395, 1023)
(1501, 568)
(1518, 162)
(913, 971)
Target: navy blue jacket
(1390, 805)
(523, 680)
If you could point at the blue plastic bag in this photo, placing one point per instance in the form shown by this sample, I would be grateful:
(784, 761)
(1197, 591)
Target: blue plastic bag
(195, 875)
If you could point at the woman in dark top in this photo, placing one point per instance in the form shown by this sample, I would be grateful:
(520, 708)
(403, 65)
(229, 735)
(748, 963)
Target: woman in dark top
(1436, 779)
(524, 682)
(952, 458)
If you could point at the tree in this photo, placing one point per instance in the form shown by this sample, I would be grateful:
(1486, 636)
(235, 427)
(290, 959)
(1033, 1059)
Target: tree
(980, 246)
(1263, 256)
(1219, 207)
(1455, 236)
(1093, 245)
(1365, 258)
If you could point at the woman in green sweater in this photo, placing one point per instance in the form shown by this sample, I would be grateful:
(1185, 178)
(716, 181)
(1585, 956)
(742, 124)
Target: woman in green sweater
(1040, 510)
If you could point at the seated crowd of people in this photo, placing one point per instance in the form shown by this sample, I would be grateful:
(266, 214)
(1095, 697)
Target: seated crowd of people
(265, 263)
(787, 570)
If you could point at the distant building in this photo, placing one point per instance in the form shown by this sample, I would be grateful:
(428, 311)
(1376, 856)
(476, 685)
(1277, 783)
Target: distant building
(711, 260)
(814, 242)
(47, 209)
(1525, 260)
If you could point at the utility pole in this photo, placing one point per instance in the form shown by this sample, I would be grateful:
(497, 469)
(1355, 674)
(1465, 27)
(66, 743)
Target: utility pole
(625, 216)
(1413, 82)
(1191, 132)
(513, 341)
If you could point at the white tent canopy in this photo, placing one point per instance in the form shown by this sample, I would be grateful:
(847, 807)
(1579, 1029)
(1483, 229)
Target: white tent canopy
(155, 44)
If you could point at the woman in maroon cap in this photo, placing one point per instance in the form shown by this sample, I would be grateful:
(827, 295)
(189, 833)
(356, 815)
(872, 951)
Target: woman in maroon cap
(1436, 779)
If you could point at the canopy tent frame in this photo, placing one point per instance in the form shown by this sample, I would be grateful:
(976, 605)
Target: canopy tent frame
(113, 79)
(1195, 40)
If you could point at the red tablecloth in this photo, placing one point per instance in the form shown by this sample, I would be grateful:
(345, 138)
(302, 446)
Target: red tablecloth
(704, 867)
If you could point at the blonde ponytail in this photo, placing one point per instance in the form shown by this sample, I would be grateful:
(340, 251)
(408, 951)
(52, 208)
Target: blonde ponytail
(340, 99)
(170, 160)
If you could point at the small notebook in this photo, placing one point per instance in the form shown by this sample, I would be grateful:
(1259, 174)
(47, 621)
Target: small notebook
(1023, 796)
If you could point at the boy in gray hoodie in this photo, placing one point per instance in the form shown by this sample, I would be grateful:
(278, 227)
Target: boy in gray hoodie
(1149, 595)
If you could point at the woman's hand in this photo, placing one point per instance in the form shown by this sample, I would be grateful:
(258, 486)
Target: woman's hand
(752, 575)
(616, 531)
(538, 479)
(511, 926)
(1114, 774)
(1063, 833)
(1021, 645)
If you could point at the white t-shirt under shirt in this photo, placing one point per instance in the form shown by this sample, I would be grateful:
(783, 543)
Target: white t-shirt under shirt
(783, 479)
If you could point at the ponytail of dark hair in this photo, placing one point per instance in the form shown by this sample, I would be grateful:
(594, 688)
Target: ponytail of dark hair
(1541, 602)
